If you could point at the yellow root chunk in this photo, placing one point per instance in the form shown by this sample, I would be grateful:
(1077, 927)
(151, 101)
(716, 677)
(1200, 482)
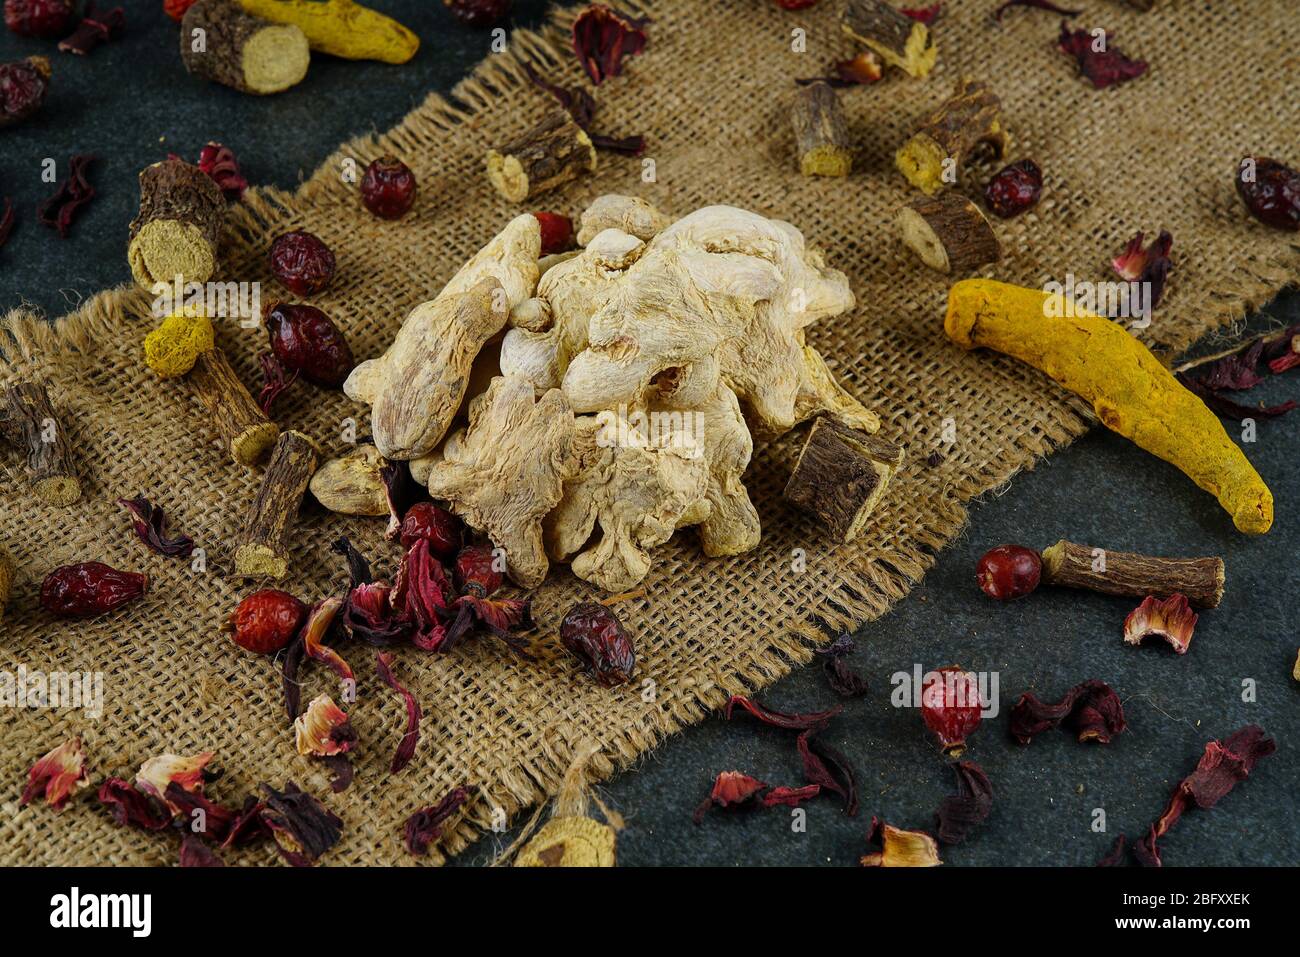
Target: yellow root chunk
(172, 349)
(341, 28)
(1131, 392)
(570, 842)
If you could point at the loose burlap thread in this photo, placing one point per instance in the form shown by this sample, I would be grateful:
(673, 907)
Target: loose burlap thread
(711, 94)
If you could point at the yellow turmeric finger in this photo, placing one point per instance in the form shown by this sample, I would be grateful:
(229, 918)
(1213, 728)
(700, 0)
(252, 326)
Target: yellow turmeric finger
(341, 28)
(1131, 392)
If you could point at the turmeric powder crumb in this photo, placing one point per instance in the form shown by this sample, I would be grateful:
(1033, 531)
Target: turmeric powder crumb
(172, 348)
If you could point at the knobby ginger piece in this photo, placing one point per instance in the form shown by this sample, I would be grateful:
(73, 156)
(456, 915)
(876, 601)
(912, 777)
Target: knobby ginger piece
(627, 214)
(511, 258)
(351, 484)
(416, 387)
(222, 43)
(638, 488)
(341, 28)
(1131, 392)
(507, 470)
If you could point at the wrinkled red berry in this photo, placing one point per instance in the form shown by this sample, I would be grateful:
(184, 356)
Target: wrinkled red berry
(796, 4)
(1014, 188)
(1273, 192)
(304, 338)
(23, 85)
(951, 707)
(302, 262)
(476, 571)
(593, 633)
(557, 232)
(437, 526)
(1009, 571)
(89, 588)
(47, 19)
(478, 13)
(266, 621)
(388, 188)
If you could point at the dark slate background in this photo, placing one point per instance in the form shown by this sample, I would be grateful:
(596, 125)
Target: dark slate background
(131, 103)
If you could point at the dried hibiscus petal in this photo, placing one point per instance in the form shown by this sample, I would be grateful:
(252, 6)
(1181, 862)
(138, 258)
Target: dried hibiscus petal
(960, 813)
(577, 102)
(731, 789)
(130, 806)
(602, 37)
(195, 853)
(159, 772)
(900, 848)
(1227, 408)
(320, 621)
(1288, 359)
(323, 729)
(1115, 856)
(198, 815)
(6, 220)
(150, 525)
(72, 192)
(58, 775)
(785, 796)
(1221, 767)
(247, 826)
(828, 768)
(292, 687)
(844, 681)
(94, 30)
(421, 592)
(274, 382)
(1036, 5)
(926, 15)
(406, 749)
(1091, 709)
(302, 827)
(1171, 619)
(1098, 60)
(778, 719)
(1149, 266)
(425, 825)
(498, 615)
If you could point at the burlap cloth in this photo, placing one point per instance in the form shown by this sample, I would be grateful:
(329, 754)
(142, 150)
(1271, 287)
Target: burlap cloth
(711, 96)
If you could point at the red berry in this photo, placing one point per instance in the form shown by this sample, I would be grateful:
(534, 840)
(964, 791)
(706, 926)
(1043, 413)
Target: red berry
(439, 527)
(795, 4)
(476, 571)
(557, 232)
(48, 19)
(266, 621)
(478, 13)
(23, 86)
(951, 706)
(388, 188)
(304, 338)
(1009, 571)
(89, 588)
(302, 262)
(1272, 193)
(176, 8)
(1014, 188)
(593, 633)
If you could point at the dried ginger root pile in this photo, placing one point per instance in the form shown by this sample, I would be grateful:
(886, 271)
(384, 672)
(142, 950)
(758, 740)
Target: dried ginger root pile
(585, 407)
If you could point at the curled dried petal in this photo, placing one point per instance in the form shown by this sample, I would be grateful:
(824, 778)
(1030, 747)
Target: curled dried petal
(1171, 619)
(131, 806)
(1149, 266)
(323, 729)
(406, 749)
(926, 15)
(825, 766)
(731, 789)
(195, 853)
(302, 827)
(959, 813)
(1098, 58)
(221, 164)
(900, 848)
(150, 526)
(273, 381)
(1091, 709)
(779, 719)
(425, 825)
(790, 797)
(158, 772)
(58, 775)
(197, 815)
(320, 620)
(602, 38)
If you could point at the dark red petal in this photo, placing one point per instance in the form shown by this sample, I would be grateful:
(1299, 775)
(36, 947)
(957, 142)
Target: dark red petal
(405, 749)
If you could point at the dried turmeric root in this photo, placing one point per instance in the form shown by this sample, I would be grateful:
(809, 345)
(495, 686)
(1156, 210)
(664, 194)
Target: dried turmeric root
(1131, 392)
(341, 28)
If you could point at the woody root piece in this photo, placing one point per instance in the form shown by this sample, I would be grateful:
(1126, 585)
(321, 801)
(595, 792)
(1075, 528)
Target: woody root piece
(933, 155)
(821, 138)
(7, 573)
(1124, 573)
(948, 232)
(185, 345)
(841, 476)
(29, 425)
(898, 39)
(263, 549)
(178, 227)
(222, 43)
(553, 152)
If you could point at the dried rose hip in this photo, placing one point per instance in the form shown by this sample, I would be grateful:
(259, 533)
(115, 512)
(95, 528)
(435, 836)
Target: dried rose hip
(1009, 571)
(796, 4)
(176, 8)
(23, 85)
(951, 707)
(305, 339)
(478, 13)
(89, 588)
(1271, 191)
(388, 188)
(302, 262)
(439, 527)
(476, 572)
(1014, 188)
(266, 621)
(557, 232)
(47, 19)
(593, 633)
